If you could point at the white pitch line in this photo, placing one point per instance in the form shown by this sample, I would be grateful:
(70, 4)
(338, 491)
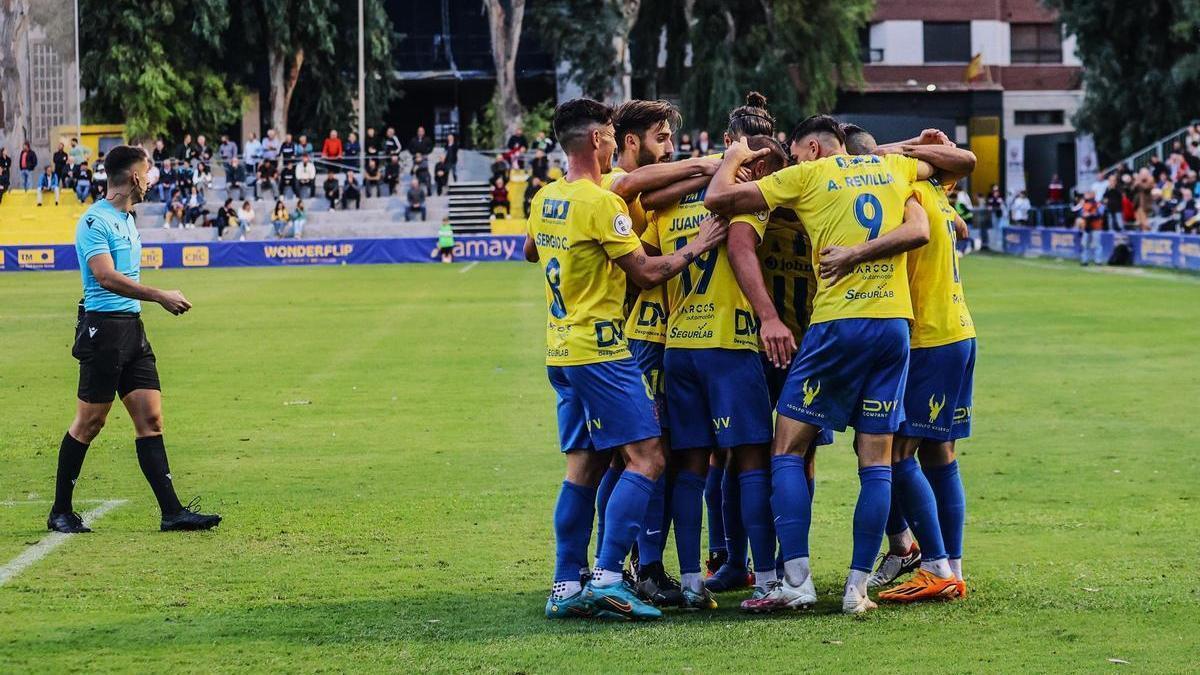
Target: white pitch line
(468, 267)
(1134, 272)
(50, 542)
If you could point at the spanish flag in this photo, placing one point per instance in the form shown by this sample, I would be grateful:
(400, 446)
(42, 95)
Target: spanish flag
(974, 68)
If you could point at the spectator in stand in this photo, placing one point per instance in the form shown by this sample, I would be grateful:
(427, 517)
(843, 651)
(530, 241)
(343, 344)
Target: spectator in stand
(288, 150)
(391, 143)
(266, 178)
(332, 148)
(539, 166)
(79, 153)
(100, 179)
(1089, 221)
(252, 154)
(1143, 199)
(372, 177)
(543, 143)
(227, 151)
(452, 156)
(995, 205)
(1189, 211)
(703, 144)
(517, 143)
(183, 151)
(351, 191)
(531, 190)
(48, 182)
(420, 144)
(685, 145)
(27, 163)
(279, 218)
(159, 155)
(4, 181)
(166, 180)
(1054, 191)
(500, 169)
(352, 149)
(245, 218)
(202, 177)
(183, 177)
(154, 180)
(440, 176)
(270, 147)
(306, 177)
(225, 219)
(235, 178)
(1020, 208)
(303, 147)
(6, 162)
(445, 242)
(782, 137)
(83, 182)
(371, 144)
(204, 152)
(500, 197)
(1113, 195)
(299, 219)
(60, 159)
(391, 174)
(287, 179)
(556, 169)
(416, 201)
(420, 171)
(333, 190)
(175, 211)
(195, 206)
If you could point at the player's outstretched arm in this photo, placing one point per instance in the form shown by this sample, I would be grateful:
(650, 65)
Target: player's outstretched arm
(946, 162)
(654, 176)
(726, 195)
(777, 338)
(648, 271)
(113, 281)
(838, 261)
(671, 194)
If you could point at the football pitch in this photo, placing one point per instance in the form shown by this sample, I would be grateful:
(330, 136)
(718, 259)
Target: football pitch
(381, 442)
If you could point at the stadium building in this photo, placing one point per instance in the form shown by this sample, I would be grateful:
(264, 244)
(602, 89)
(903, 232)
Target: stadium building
(1000, 76)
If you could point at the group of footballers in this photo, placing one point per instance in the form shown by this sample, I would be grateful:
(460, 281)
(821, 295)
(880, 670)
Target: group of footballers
(818, 280)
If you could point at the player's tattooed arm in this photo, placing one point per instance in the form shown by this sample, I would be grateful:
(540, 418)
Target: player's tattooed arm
(778, 342)
(725, 194)
(530, 249)
(838, 261)
(648, 270)
(110, 279)
(651, 177)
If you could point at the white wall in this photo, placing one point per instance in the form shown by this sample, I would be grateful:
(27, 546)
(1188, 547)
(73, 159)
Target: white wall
(1070, 58)
(1066, 101)
(902, 42)
(992, 39)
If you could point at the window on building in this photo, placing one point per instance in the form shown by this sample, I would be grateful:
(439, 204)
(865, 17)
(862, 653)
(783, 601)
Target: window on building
(1054, 117)
(1036, 43)
(48, 89)
(866, 54)
(947, 42)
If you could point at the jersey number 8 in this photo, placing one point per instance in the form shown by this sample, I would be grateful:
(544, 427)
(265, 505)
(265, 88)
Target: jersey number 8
(558, 308)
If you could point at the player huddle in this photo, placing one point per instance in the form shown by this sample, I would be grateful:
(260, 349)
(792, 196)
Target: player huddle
(818, 281)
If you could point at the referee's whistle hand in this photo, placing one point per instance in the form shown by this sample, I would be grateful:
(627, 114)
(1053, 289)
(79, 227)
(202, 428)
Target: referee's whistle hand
(174, 302)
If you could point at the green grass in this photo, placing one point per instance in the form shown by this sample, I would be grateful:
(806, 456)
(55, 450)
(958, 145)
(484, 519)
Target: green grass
(402, 521)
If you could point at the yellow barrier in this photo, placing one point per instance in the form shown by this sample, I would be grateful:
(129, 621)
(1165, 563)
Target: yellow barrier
(509, 226)
(22, 221)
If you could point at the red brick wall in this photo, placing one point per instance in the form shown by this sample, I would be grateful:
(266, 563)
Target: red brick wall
(1017, 11)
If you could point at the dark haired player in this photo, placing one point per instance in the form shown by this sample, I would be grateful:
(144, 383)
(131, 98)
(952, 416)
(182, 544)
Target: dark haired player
(114, 355)
(582, 237)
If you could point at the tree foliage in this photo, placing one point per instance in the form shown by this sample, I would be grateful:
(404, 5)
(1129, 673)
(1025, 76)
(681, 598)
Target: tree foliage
(144, 63)
(585, 46)
(1141, 68)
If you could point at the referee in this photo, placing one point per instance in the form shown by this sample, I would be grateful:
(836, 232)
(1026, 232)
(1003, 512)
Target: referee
(110, 344)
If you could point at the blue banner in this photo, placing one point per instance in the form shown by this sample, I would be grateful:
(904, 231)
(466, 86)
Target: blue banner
(276, 252)
(1156, 249)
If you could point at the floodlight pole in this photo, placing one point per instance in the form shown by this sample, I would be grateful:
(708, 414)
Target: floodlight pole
(362, 94)
(78, 81)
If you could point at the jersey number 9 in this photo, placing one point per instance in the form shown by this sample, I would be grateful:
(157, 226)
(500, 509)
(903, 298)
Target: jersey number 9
(874, 221)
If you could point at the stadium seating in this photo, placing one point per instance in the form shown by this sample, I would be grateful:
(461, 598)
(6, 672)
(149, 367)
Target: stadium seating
(22, 221)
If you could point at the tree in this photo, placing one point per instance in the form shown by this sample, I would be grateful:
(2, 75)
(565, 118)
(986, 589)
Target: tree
(587, 47)
(287, 30)
(504, 24)
(14, 34)
(1141, 68)
(144, 64)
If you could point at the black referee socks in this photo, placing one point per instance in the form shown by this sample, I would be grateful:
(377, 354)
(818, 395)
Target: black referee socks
(152, 457)
(70, 461)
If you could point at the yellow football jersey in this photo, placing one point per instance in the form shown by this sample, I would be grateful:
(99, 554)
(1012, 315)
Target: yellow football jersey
(707, 307)
(786, 259)
(843, 201)
(939, 305)
(648, 316)
(579, 229)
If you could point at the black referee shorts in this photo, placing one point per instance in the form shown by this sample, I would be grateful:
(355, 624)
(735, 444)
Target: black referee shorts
(114, 356)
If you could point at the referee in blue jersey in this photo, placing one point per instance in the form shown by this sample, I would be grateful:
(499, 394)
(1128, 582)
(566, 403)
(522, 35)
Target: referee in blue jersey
(113, 352)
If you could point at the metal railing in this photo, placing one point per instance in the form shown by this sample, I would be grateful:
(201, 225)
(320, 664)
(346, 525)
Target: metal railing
(1160, 148)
